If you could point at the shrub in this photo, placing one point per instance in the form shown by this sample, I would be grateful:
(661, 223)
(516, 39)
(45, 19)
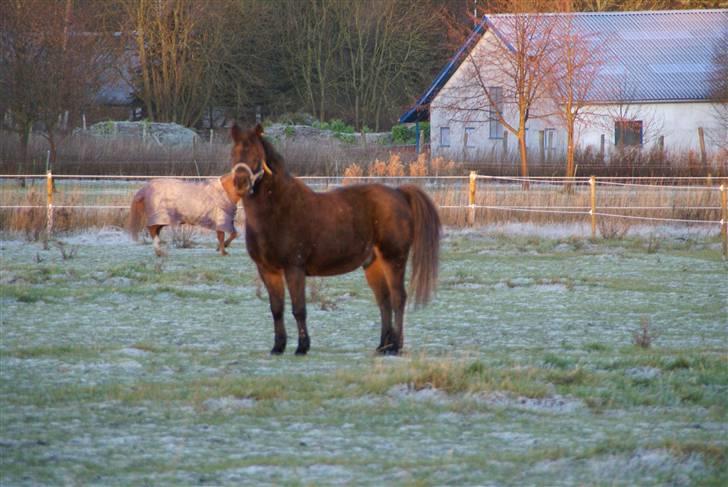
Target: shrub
(402, 134)
(644, 337)
(335, 125)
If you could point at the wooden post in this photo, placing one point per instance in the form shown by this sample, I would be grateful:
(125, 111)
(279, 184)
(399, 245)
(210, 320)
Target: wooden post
(593, 211)
(471, 198)
(661, 147)
(601, 147)
(49, 199)
(703, 155)
(541, 146)
(724, 218)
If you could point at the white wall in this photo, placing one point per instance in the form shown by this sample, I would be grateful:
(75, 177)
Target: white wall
(677, 122)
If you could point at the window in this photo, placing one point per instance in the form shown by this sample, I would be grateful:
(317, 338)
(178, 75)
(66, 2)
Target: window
(627, 133)
(444, 136)
(469, 137)
(549, 145)
(496, 129)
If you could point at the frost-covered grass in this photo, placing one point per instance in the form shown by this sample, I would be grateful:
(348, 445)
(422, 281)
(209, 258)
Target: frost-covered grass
(120, 368)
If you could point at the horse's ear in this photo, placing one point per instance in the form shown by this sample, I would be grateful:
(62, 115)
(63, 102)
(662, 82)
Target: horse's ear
(235, 132)
(258, 130)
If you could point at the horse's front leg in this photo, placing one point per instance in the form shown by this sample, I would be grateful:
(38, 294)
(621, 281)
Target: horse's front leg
(273, 281)
(154, 231)
(221, 242)
(296, 280)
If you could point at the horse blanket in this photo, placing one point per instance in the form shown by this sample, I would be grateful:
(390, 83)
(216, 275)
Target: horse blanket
(172, 202)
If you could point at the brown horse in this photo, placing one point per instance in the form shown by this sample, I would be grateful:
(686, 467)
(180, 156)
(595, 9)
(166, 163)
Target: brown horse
(163, 202)
(292, 232)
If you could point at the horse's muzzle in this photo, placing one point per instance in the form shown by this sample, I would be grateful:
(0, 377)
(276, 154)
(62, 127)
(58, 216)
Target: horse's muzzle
(242, 184)
(242, 180)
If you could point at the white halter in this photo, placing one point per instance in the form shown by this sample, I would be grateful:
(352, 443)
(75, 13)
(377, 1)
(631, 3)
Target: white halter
(254, 176)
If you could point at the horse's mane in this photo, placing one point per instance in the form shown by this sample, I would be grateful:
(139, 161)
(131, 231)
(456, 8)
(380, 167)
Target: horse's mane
(272, 157)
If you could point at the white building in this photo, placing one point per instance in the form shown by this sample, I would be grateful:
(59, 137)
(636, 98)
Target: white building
(651, 86)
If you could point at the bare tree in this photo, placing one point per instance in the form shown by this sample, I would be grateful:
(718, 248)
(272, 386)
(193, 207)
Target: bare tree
(312, 49)
(625, 5)
(571, 87)
(182, 50)
(634, 125)
(385, 47)
(517, 60)
(52, 65)
(719, 90)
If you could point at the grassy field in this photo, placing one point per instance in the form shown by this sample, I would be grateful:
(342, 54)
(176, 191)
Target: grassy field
(120, 368)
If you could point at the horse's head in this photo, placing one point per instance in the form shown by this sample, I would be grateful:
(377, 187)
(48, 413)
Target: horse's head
(248, 157)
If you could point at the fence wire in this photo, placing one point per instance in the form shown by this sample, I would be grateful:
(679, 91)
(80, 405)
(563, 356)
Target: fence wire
(500, 183)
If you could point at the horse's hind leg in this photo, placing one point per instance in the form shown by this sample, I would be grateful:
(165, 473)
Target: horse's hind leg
(273, 281)
(296, 280)
(232, 237)
(378, 282)
(154, 231)
(394, 270)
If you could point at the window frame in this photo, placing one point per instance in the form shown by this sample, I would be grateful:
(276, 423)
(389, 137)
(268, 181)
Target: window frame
(549, 146)
(445, 136)
(628, 133)
(469, 138)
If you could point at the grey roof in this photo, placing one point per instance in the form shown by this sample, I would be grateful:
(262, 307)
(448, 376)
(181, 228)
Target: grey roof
(651, 55)
(114, 90)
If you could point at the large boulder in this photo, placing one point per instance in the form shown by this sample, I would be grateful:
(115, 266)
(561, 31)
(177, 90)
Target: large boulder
(165, 134)
(280, 131)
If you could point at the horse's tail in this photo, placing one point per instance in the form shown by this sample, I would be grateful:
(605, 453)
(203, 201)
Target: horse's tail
(425, 245)
(136, 214)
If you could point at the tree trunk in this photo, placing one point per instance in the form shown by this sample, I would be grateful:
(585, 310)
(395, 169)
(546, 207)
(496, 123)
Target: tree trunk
(24, 141)
(524, 157)
(53, 148)
(569, 185)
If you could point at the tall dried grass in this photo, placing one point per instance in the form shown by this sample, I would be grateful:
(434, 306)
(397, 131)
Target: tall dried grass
(82, 154)
(31, 220)
(496, 201)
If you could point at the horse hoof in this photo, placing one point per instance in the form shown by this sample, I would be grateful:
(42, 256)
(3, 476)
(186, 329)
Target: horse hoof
(303, 345)
(388, 350)
(277, 351)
